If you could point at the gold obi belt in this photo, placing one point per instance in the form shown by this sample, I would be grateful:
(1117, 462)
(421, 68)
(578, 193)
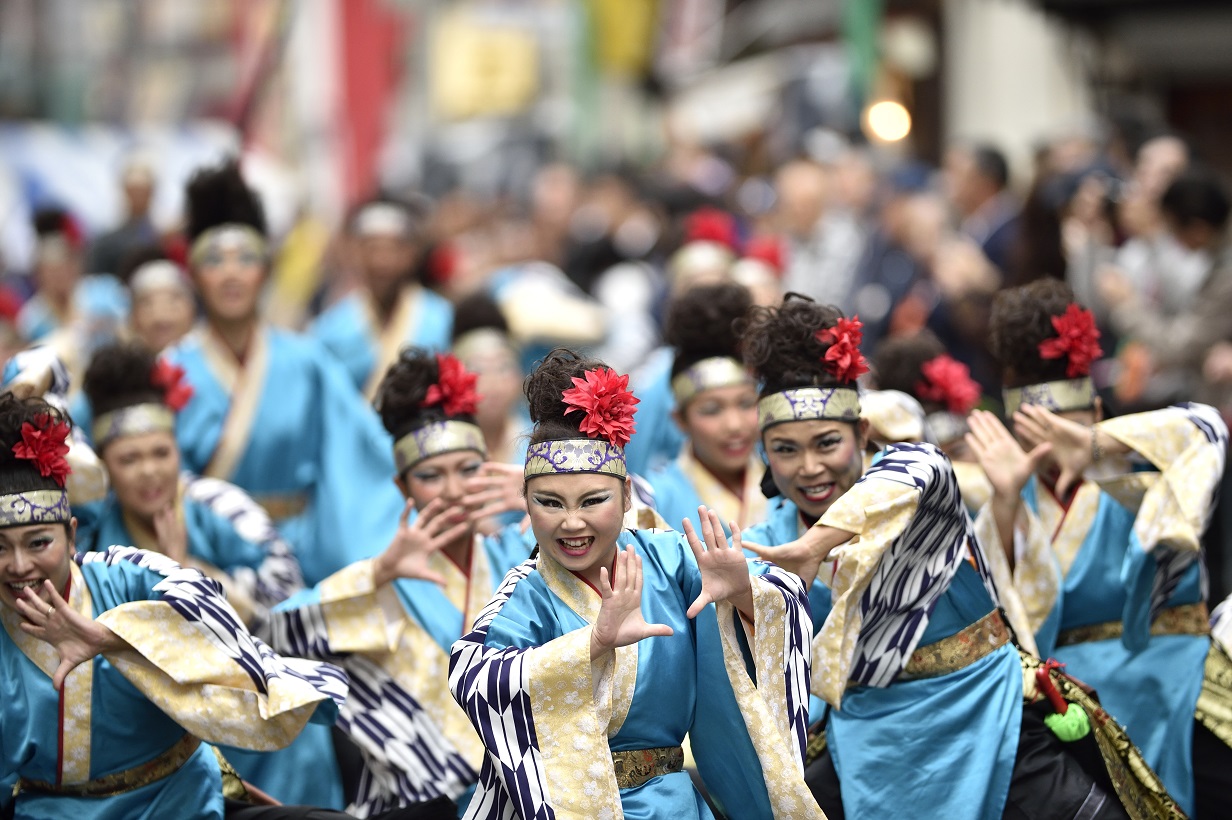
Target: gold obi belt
(958, 651)
(165, 765)
(638, 766)
(283, 506)
(1188, 619)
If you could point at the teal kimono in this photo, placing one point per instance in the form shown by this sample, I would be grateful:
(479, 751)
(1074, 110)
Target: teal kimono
(658, 440)
(551, 719)
(349, 330)
(106, 721)
(290, 429)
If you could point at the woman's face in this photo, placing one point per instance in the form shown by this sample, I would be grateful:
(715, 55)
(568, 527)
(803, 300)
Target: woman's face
(161, 317)
(144, 472)
(576, 518)
(33, 554)
(442, 476)
(229, 282)
(814, 462)
(721, 424)
(499, 384)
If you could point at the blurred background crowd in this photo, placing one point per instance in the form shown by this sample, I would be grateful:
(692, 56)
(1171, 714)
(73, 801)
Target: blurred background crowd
(576, 163)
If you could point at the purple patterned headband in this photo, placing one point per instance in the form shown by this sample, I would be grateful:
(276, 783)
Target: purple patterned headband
(575, 455)
(34, 507)
(809, 403)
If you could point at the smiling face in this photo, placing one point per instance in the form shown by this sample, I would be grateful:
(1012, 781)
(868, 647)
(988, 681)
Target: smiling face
(33, 554)
(576, 518)
(143, 470)
(229, 282)
(721, 424)
(814, 462)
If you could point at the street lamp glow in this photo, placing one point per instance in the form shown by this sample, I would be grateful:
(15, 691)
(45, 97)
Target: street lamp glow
(888, 121)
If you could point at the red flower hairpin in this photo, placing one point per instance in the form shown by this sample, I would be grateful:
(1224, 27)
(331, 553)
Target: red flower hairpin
(843, 358)
(604, 398)
(45, 443)
(169, 378)
(948, 381)
(1077, 337)
(712, 225)
(454, 388)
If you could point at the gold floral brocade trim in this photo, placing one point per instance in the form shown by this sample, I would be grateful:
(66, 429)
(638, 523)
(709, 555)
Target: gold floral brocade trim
(635, 767)
(958, 651)
(128, 780)
(1138, 788)
(1189, 619)
(1214, 709)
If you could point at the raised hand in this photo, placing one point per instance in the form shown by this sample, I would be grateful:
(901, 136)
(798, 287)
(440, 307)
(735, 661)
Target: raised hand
(725, 573)
(437, 526)
(171, 534)
(620, 621)
(1006, 464)
(497, 490)
(804, 555)
(77, 639)
(1070, 442)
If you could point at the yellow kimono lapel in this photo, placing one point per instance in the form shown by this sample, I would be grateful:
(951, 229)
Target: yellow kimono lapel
(245, 383)
(1068, 528)
(392, 337)
(746, 510)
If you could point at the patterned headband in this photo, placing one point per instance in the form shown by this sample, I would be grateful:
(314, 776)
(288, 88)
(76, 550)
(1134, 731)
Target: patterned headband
(231, 236)
(946, 427)
(160, 274)
(134, 420)
(1059, 397)
(708, 374)
(437, 438)
(575, 455)
(34, 507)
(808, 403)
(481, 341)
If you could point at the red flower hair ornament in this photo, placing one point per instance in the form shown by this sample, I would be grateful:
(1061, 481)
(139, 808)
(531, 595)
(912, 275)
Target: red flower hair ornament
(45, 442)
(605, 400)
(1077, 338)
(948, 382)
(843, 358)
(454, 389)
(169, 378)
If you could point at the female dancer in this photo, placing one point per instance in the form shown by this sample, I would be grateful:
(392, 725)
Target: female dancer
(272, 412)
(390, 621)
(716, 409)
(1125, 502)
(116, 665)
(598, 655)
(915, 657)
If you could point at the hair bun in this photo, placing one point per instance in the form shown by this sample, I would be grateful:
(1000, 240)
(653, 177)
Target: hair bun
(780, 344)
(701, 323)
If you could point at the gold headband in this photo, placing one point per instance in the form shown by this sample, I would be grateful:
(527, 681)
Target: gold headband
(481, 341)
(808, 403)
(1059, 396)
(231, 236)
(708, 374)
(34, 507)
(575, 455)
(947, 427)
(134, 420)
(434, 439)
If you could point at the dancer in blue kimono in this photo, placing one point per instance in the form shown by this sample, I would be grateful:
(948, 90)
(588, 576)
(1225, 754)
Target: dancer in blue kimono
(597, 656)
(1120, 506)
(271, 411)
(389, 310)
(391, 620)
(716, 408)
(205, 523)
(117, 665)
(925, 686)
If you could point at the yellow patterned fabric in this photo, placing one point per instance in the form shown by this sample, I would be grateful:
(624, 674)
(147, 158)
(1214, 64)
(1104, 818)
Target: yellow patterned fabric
(746, 509)
(893, 417)
(1214, 710)
(708, 374)
(1029, 590)
(1173, 509)
(877, 512)
(1059, 397)
(1138, 787)
(959, 650)
(434, 439)
(973, 485)
(575, 455)
(809, 403)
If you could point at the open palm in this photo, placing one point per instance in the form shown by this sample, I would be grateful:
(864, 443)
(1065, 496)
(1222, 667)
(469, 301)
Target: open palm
(408, 554)
(1007, 466)
(620, 621)
(725, 572)
(77, 639)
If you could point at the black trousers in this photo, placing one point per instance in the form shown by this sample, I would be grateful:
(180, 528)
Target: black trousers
(1212, 762)
(1051, 781)
(438, 809)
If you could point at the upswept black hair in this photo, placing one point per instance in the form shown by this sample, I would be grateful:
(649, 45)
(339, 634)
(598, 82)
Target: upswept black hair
(543, 389)
(119, 376)
(477, 312)
(218, 196)
(781, 345)
(701, 323)
(400, 396)
(1021, 319)
(19, 475)
(900, 359)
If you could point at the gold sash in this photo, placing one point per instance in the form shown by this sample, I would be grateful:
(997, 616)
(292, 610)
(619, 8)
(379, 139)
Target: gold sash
(1188, 619)
(958, 651)
(165, 765)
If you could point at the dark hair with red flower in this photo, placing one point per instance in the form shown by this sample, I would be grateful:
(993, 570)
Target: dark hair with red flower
(574, 397)
(712, 225)
(169, 378)
(421, 388)
(125, 374)
(801, 343)
(948, 381)
(33, 445)
(1039, 334)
